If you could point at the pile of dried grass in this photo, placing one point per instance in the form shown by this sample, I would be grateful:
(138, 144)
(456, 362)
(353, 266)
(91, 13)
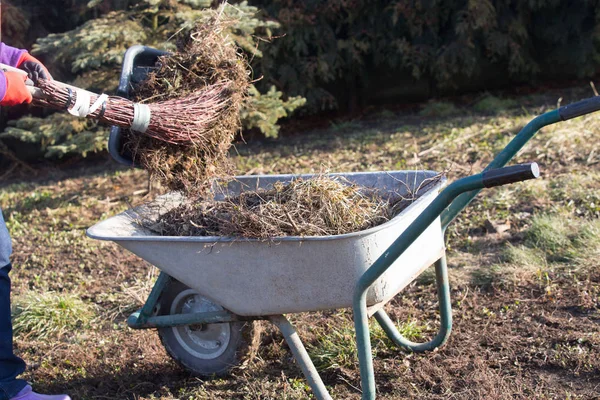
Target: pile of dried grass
(205, 58)
(319, 206)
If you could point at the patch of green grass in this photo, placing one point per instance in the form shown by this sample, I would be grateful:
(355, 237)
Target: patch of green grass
(439, 109)
(523, 256)
(344, 125)
(411, 330)
(516, 261)
(337, 348)
(492, 105)
(550, 233)
(551, 241)
(589, 235)
(334, 350)
(43, 315)
(577, 193)
(587, 243)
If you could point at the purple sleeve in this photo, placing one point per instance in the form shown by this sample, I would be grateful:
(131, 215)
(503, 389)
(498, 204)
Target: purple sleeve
(2, 85)
(10, 55)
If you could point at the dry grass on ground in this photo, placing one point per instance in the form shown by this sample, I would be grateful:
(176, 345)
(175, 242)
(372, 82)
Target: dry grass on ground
(523, 266)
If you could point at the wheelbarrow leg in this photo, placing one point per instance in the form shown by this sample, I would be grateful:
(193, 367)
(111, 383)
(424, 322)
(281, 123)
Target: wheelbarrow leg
(300, 354)
(443, 289)
(139, 318)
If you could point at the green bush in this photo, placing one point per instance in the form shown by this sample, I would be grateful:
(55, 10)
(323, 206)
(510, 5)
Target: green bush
(492, 105)
(58, 135)
(439, 109)
(338, 53)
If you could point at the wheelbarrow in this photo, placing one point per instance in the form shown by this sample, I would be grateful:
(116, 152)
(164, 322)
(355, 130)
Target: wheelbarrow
(210, 289)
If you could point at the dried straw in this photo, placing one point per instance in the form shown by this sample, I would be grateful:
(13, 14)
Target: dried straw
(319, 206)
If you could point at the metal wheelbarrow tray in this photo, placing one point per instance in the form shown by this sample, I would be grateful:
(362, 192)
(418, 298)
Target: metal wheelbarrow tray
(289, 274)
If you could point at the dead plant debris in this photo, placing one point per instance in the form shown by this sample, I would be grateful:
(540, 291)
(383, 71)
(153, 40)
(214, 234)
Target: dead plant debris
(205, 58)
(320, 206)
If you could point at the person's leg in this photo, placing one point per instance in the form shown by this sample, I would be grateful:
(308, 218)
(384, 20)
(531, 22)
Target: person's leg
(10, 365)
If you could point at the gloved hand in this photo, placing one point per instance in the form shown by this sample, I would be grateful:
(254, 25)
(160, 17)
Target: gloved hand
(16, 91)
(34, 68)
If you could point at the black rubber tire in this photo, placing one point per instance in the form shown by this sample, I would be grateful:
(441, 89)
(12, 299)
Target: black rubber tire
(241, 337)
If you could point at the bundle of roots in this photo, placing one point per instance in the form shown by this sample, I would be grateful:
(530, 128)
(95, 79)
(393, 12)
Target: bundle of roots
(206, 64)
(319, 206)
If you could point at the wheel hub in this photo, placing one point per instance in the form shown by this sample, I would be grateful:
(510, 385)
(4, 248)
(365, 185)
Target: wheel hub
(206, 341)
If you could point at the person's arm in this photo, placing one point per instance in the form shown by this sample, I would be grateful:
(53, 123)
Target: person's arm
(10, 55)
(12, 85)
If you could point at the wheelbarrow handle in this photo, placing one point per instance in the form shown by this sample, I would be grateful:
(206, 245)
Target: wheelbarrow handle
(506, 175)
(579, 108)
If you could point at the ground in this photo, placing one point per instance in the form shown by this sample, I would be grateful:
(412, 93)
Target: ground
(523, 263)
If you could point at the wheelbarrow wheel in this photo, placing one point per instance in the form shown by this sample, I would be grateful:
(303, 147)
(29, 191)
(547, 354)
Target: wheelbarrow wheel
(203, 349)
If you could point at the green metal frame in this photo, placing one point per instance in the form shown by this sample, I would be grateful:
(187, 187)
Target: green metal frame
(139, 319)
(145, 318)
(501, 160)
(361, 317)
(443, 291)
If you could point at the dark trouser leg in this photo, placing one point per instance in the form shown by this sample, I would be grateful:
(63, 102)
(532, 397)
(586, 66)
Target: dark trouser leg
(10, 365)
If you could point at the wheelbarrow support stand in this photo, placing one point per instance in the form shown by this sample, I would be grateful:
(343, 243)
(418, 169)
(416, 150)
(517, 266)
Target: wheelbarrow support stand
(443, 291)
